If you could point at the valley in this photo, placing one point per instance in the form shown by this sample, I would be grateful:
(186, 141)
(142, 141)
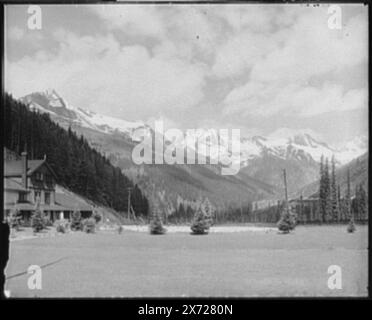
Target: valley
(262, 158)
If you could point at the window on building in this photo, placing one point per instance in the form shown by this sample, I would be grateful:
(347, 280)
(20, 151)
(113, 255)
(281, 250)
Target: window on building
(47, 197)
(37, 195)
(39, 176)
(22, 197)
(48, 179)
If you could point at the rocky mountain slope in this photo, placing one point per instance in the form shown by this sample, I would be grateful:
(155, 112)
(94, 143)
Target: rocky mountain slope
(262, 158)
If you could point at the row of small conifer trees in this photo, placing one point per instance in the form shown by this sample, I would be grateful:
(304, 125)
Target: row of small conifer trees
(201, 223)
(287, 222)
(203, 220)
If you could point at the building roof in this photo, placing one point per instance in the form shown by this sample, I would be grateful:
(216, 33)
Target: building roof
(72, 202)
(14, 168)
(11, 184)
(64, 200)
(27, 206)
(67, 204)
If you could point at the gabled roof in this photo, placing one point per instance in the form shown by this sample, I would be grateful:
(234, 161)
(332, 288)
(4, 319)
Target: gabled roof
(14, 168)
(11, 184)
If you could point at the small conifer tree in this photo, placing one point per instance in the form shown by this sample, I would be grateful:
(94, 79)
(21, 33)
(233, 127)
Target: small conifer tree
(362, 203)
(209, 210)
(202, 219)
(334, 195)
(156, 224)
(287, 221)
(37, 219)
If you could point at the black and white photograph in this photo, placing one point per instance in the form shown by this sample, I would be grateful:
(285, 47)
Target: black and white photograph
(185, 150)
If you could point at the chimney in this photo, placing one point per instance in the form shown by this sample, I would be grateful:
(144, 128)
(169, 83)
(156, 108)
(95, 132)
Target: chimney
(24, 169)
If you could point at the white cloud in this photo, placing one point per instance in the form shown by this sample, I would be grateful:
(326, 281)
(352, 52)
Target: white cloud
(328, 99)
(97, 73)
(285, 133)
(308, 48)
(134, 19)
(311, 48)
(257, 98)
(256, 18)
(196, 26)
(151, 61)
(279, 81)
(242, 52)
(185, 30)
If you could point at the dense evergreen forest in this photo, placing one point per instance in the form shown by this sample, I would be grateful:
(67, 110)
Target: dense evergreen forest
(79, 167)
(328, 205)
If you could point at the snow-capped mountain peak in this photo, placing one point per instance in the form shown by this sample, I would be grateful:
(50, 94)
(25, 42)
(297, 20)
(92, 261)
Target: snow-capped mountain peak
(301, 145)
(288, 144)
(51, 102)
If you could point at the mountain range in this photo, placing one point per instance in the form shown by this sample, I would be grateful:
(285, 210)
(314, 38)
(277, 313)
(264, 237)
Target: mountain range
(262, 158)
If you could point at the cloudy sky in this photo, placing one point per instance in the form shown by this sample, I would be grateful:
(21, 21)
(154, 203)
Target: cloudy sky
(259, 68)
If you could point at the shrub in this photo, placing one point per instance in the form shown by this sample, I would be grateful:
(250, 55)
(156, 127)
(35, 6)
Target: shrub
(61, 229)
(76, 221)
(287, 222)
(61, 226)
(37, 219)
(47, 222)
(89, 225)
(14, 219)
(351, 226)
(97, 216)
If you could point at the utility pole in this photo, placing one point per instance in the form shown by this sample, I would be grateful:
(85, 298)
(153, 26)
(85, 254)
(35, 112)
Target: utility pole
(285, 189)
(129, 191)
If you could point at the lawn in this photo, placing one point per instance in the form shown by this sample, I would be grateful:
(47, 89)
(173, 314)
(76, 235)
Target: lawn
(240, 264)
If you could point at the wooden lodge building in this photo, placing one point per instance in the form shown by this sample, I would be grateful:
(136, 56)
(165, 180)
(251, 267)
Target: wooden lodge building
(26, 181)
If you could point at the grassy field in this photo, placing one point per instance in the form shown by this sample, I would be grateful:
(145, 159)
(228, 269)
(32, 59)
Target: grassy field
(241, 264)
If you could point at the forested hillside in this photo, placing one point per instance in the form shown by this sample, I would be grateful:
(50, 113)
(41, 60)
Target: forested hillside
(358, 169)
(78, 166)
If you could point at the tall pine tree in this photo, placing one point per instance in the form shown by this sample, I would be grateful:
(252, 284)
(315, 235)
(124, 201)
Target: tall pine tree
(327, 193)
(322, 194)
(334, 197)
(339, 203)
(348, 196)
(362, 203)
